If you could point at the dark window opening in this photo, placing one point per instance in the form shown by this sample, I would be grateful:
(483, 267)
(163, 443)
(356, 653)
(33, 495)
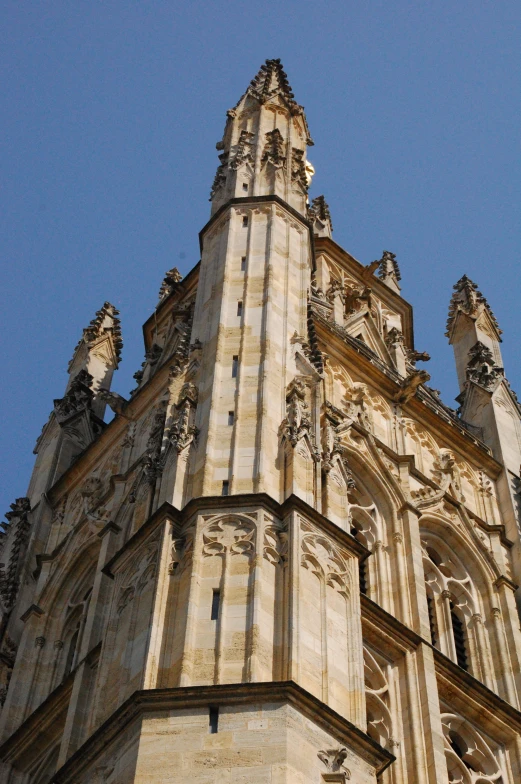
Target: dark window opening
(243, 263)
(231, 417)
(213, 720)
(432, 619)
(216, 600)
(225, 488)
(362, 566)
(239, 308)
(458, 630)
(245, 186)
(460, 748)
(72, 651)
(235, 366)
(245, 221)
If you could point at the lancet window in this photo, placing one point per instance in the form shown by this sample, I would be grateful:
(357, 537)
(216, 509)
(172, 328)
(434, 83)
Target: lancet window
(453, 604)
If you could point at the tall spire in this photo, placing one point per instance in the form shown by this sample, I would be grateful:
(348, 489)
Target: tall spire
(263, 149)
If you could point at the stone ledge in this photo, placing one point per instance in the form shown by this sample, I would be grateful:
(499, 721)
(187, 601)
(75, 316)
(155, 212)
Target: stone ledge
(142, 702)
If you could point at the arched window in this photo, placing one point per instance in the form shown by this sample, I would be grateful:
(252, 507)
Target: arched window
(470, 755)
(452, 601)
(73, 631)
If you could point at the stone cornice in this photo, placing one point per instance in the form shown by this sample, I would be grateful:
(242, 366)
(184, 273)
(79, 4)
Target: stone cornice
(381, 626)
(245, 201)
(287, 692)
(41, 723)
(240, 502)
(473, 698)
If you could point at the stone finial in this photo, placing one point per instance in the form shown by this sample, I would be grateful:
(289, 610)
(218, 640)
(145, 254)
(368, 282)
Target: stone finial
(271, 81)
(105, 324)
(320, 217)
(389, 271)
(469, 300)
(170, 282)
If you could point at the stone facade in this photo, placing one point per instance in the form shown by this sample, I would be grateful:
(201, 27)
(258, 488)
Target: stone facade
(285, 559)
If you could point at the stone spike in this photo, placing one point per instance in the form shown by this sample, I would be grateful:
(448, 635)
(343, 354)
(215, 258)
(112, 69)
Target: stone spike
(272, 80)
(320, 216)
(389, 271)
(105, 321)
(467, 298)
(169, 284)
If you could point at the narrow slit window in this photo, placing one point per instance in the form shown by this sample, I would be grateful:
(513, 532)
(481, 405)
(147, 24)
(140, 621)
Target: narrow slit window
(226, 488)
(243, 263)
(245, 220)
(458, 630)
(216, 601)
(245, 186)
(362, 565)
(213, 723)
(239, 308)
(231, 417)
(432, 619)
(235, 366)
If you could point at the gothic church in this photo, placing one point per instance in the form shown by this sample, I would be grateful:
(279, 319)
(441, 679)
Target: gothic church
(285, 560)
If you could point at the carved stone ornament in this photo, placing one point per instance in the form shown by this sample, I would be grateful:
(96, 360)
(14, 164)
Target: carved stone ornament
(18, 521)
(114, 401)
(275, 545)
(78, 398)
(220, 175)
(232, 535)
(244, 152)
(482, 368)
(320, 556)
(410, 384)
(170, 283)
(183, 432)
(297, 423)
(153, 458)
(299, 172)
(319, 213)
(468, 300)
(273, 152)
(140, 573)
(105, 324)
(388, 267)
(334, 760)
(181, 553)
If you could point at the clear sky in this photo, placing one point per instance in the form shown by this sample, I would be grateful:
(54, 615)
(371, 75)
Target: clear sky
(110, 113)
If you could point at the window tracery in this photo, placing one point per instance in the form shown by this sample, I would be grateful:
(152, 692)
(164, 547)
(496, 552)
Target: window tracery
(453, 604)
(471, 759)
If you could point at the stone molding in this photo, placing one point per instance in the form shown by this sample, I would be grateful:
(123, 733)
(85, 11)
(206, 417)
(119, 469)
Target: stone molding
(286, 692)
(235, 502)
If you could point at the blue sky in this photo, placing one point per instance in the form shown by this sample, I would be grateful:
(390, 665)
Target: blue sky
(110, 112)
